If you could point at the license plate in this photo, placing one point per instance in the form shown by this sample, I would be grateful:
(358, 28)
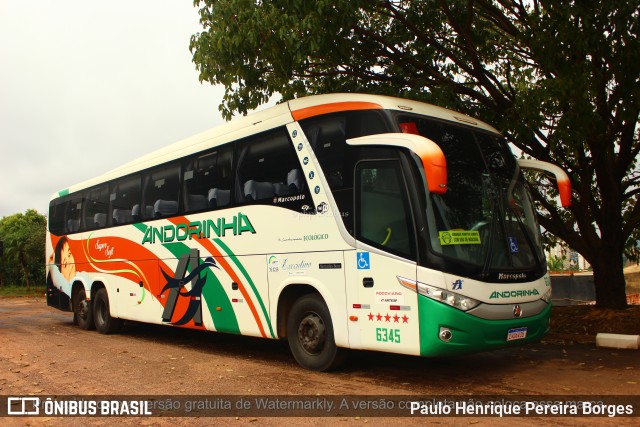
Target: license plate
(516, 334)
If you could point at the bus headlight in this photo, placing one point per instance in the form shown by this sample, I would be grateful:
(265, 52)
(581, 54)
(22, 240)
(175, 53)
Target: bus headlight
(453, 299)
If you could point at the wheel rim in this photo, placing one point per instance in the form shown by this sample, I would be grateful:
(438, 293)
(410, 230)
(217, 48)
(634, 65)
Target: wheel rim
(83, 308)
(311, 333)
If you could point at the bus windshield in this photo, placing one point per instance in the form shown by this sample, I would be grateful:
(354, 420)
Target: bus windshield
(486, 219)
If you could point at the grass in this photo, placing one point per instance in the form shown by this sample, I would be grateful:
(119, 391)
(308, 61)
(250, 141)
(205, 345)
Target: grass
(21, 291)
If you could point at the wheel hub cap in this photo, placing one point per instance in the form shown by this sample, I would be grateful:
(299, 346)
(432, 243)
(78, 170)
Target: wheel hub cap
(311, 333)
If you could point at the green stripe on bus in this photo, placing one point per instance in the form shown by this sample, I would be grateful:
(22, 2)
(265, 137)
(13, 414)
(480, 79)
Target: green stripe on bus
(141, 227)
(63, 192)
(471, 334)
(246, 275)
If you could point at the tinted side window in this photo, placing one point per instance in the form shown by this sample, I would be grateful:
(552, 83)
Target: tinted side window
(73, 214)
(161, 189)
(269, 172)
(384, 215)
(96, 208)
(327, 135)
(56, 216)
(207, 180)
(65, 215)
(125, 194)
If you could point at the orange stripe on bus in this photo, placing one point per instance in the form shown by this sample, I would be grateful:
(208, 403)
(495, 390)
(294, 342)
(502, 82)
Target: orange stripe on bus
(305, 113)
(208, 244)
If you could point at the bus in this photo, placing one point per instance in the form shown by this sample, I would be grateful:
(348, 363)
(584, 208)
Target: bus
(336, 222)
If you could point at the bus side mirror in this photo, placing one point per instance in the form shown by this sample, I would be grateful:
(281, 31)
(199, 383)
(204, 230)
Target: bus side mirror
(562, 179)
(435, 168)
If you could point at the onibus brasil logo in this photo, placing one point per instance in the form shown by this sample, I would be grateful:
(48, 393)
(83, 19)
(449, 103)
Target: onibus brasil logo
(74, 406)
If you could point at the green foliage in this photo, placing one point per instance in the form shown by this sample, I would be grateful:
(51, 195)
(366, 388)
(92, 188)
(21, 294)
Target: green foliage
(23, 237)
(556, 263)
(22, 291)
(560, 79)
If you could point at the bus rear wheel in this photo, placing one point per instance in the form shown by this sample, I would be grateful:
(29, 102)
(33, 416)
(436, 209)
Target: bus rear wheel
(82, 310)
(105, 324)
(310, 335)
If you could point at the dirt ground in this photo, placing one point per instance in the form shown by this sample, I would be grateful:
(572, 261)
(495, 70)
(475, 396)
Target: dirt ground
(584, 322)
(42, 353)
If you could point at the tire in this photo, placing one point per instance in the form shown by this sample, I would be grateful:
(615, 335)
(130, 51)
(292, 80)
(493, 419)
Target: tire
(310, 335)
(83, 310)
(105, 324)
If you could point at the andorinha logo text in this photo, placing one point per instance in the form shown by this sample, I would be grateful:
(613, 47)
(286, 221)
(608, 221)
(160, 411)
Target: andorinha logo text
(200, 229)
(513, 294)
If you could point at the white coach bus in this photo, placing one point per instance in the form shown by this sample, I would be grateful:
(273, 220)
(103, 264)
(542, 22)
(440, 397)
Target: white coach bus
(336, 222)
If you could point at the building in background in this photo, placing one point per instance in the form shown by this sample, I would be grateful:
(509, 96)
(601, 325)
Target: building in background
(562, 258)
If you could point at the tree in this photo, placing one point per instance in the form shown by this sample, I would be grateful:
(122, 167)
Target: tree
(559, 78)
(23, 237)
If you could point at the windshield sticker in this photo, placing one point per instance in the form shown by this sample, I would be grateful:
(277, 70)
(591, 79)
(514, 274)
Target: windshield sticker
(459, 237)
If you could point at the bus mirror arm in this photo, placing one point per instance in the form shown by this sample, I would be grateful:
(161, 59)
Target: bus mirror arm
(564, 184)
(430, 154)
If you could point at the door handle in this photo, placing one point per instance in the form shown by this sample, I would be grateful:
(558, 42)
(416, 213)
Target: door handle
(367, 282)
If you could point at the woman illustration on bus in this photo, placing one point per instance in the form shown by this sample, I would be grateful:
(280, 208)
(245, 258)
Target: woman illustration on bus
(62, 271)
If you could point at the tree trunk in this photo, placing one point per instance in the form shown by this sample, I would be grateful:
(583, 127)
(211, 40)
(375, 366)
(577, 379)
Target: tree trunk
(22, 257)
(608, 275)
(26, 279)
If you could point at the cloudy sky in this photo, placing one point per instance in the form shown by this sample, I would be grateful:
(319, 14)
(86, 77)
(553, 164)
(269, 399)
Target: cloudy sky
(88, 85)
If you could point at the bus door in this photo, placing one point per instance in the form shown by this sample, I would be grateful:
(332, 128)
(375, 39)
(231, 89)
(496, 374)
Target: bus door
(386, 312)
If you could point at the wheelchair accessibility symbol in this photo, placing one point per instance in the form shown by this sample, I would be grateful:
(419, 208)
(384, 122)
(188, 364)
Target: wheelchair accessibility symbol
(513, 245)
(363, 261)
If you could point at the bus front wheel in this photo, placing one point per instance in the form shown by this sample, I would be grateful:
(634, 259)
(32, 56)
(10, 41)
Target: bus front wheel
(105, 324)
(82, 310)
(310, 335)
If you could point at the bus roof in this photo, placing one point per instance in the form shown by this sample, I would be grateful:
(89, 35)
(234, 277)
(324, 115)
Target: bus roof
(308, 106)
(279, 115)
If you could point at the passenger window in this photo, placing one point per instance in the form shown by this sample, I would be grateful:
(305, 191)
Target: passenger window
(96, 208)
(65, 215)
(269, 173)
(207, 180)
(125, 194)
(161, 189)
(73, 215)
(384, 218)
(327, 135)
(57, 209)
